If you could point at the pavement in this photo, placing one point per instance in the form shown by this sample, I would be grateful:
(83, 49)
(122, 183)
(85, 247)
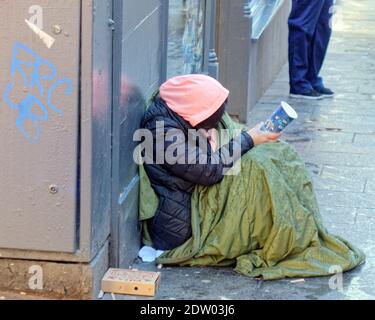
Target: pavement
(336, 138)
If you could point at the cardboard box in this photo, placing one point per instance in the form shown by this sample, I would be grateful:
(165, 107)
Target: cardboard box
(132, 282)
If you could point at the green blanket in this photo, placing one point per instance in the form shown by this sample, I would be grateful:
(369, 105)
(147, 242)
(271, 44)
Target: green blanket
(265, 220)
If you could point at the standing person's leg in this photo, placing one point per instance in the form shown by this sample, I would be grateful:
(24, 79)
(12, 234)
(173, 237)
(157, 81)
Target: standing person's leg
(319, 47)
(302, 25)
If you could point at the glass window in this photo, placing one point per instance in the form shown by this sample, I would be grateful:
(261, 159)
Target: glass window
(185, 37)
(262, 12)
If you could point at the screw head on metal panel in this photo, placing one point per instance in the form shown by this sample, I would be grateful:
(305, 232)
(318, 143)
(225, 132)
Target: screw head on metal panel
(56, 29)
(53, 189)
(111, 24)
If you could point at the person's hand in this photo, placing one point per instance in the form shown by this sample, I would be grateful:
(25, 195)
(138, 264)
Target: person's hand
(260, 137)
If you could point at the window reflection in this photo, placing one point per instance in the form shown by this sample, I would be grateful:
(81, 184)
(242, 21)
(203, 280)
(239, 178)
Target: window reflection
(185, 37)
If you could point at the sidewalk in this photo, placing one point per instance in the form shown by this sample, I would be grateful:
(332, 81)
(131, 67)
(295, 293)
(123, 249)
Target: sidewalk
(336, 137)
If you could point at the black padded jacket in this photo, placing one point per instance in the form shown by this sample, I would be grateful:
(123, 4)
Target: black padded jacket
(174, 183)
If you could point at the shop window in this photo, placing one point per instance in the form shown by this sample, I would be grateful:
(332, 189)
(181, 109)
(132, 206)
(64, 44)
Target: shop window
(185, 37)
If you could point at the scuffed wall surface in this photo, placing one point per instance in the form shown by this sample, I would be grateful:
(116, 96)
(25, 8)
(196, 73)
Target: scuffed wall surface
(100, 195)
(141, 60)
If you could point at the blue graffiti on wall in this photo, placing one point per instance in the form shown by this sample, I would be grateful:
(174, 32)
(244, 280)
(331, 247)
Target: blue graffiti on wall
(31, 109)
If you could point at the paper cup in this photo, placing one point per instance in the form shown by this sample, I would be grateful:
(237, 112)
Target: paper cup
(280, 119)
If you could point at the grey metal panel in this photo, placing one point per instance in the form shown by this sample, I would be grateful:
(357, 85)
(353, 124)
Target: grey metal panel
(142, 43)
(101, 124)
(136, 13)
(102, 130)
(86, 125)
(137, 73)
(131, 112)
(130, 229)
(116, 96)
(39, 135)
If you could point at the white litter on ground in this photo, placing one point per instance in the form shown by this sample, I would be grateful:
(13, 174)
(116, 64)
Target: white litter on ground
(101, 294)
(148, 254)
(297, 281)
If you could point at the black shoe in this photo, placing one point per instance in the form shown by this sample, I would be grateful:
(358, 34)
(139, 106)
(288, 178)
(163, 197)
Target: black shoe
(309, 95)
(327, 93)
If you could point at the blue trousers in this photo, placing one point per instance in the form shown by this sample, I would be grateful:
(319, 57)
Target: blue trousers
(309, 35)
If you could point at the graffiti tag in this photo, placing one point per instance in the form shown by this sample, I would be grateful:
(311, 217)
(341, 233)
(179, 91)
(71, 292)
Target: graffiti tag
(36, 74)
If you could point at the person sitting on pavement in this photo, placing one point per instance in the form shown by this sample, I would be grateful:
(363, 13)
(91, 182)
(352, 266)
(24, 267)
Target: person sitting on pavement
(264, 215)
(180, 107)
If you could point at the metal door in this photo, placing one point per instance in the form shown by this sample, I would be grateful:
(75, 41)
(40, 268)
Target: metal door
(39, 72)
(138, 69)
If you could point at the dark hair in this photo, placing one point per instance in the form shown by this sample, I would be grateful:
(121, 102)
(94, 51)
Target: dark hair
(213, 121)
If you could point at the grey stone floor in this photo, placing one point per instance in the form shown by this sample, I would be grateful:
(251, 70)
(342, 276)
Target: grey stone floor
(336, 138)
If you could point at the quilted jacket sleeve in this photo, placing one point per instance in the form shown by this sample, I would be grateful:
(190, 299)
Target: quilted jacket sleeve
(189, 160)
